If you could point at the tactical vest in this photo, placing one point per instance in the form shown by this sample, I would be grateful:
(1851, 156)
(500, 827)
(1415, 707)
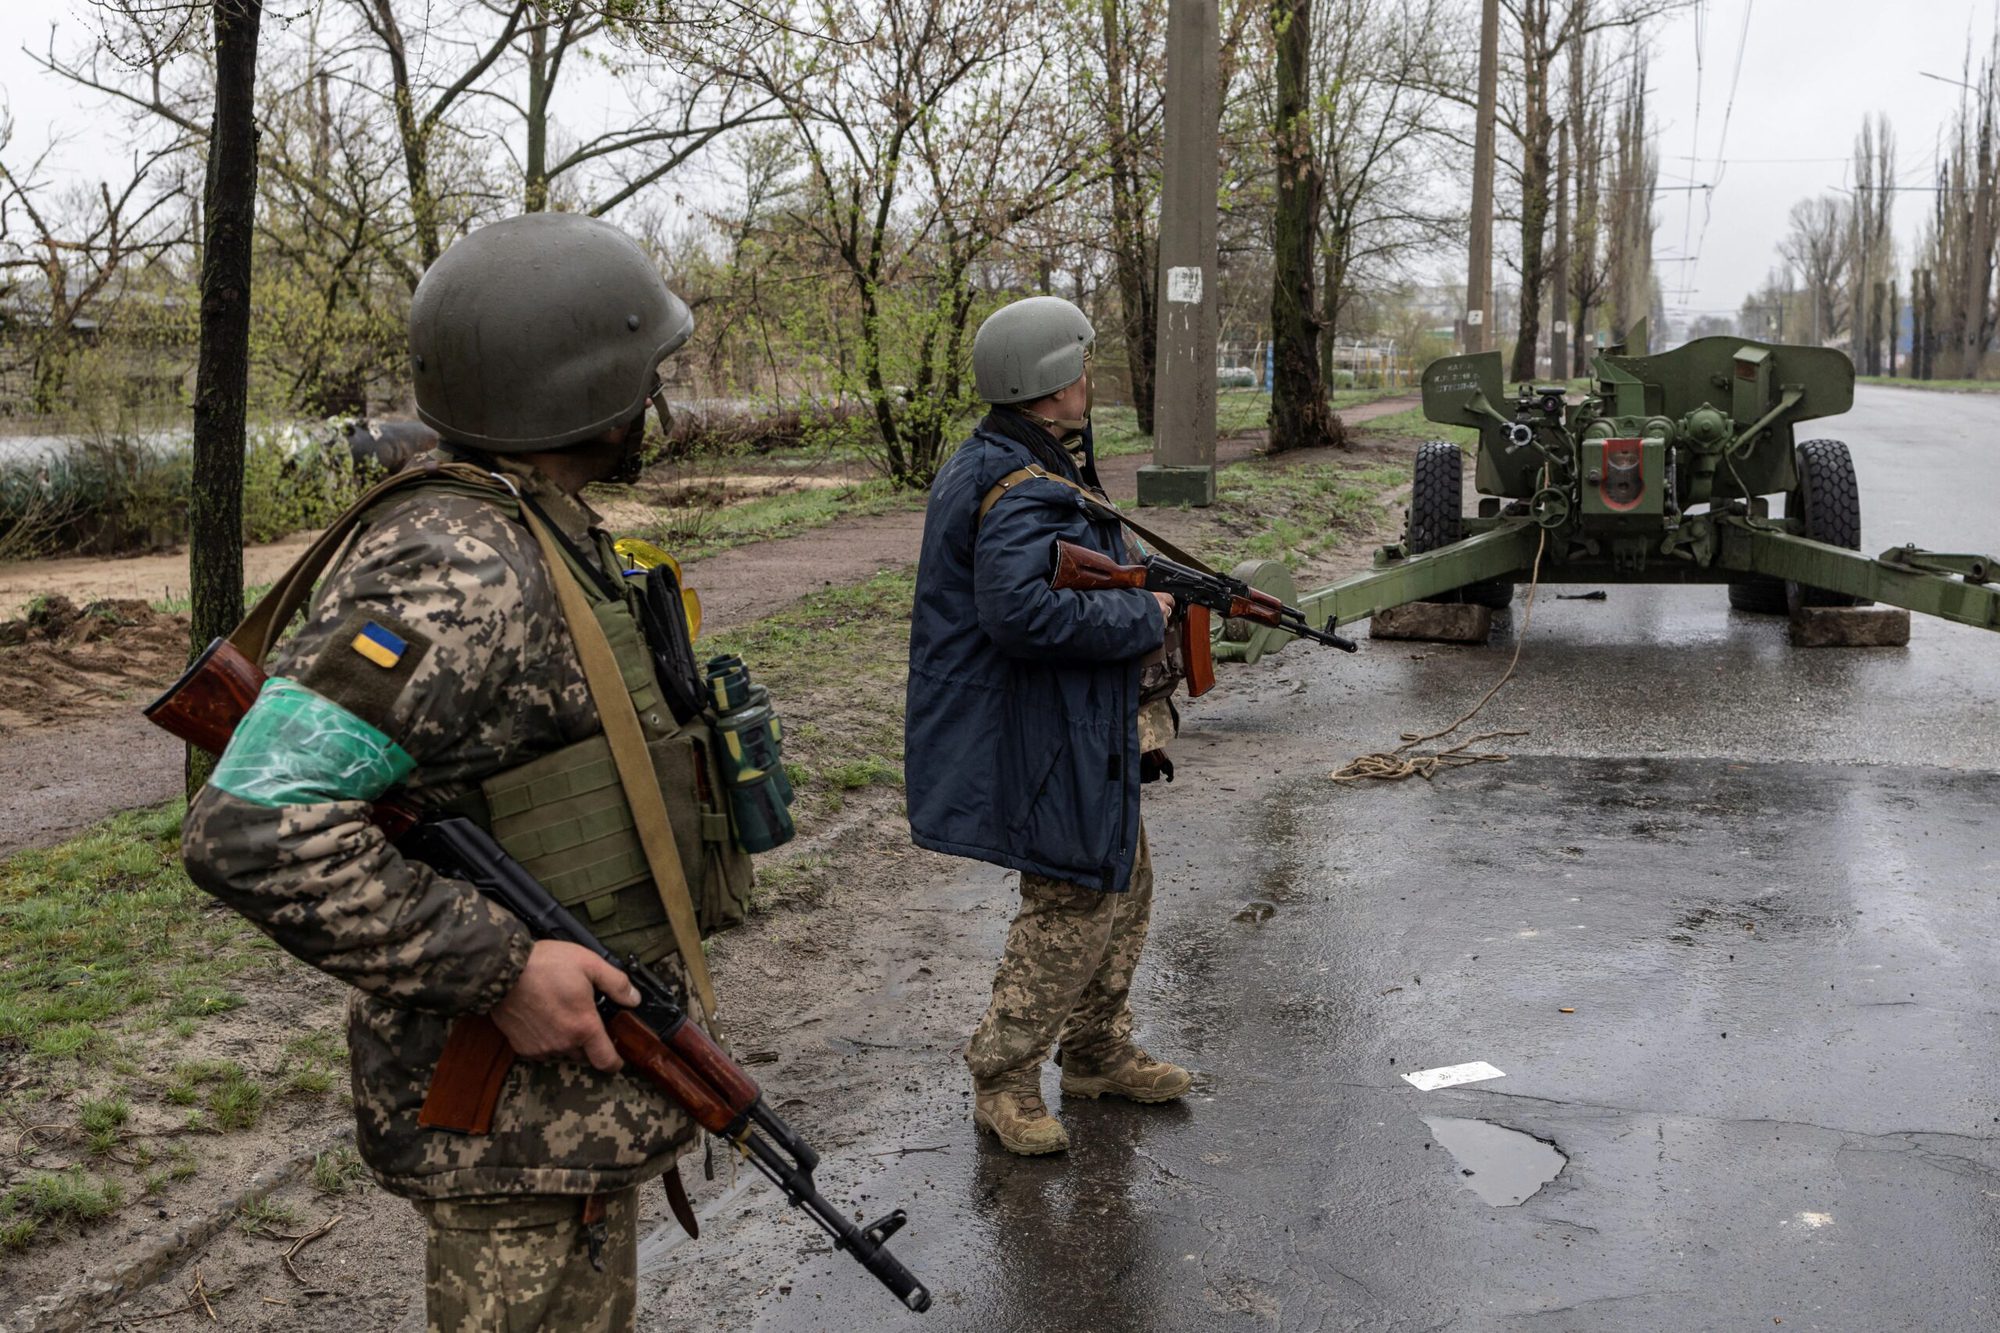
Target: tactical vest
(566, 815)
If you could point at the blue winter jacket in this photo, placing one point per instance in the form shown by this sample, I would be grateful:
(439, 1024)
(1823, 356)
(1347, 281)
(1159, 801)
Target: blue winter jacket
(1021, 740)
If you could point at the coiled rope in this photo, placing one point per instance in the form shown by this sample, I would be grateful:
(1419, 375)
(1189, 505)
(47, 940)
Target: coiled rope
(1400, 763)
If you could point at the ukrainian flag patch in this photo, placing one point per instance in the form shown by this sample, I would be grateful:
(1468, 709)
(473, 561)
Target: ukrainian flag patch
(380, 646)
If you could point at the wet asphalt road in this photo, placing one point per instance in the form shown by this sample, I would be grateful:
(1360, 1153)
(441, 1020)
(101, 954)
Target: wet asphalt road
(1763, 880)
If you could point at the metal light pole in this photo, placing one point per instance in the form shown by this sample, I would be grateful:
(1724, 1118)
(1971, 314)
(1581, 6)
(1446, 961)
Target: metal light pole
(1183, 466)
(1479, 280)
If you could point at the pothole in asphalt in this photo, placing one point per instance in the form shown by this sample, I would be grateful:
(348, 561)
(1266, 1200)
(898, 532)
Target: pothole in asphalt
(1502, 1166)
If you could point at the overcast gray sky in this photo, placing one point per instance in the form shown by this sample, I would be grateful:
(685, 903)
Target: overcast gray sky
(1809, 71)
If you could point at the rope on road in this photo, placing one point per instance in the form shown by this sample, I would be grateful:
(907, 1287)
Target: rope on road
(1397, 764)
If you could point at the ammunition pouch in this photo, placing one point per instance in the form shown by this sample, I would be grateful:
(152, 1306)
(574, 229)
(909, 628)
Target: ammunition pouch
(565, 817)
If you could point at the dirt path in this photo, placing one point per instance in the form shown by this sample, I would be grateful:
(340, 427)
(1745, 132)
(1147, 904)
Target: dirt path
(63, 776)
(750, 582)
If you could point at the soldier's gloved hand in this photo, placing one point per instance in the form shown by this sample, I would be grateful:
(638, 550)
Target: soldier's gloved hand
(552, 1011)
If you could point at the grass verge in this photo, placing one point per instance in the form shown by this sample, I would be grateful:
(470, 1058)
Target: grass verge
(113, 969)
(1934, 386)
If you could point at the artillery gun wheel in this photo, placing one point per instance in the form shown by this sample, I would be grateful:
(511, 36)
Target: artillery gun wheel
(1828, 504)
(1437, 518)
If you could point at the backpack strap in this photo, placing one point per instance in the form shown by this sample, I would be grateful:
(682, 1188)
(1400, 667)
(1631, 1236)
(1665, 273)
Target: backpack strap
(1092, 502)
(630, 756)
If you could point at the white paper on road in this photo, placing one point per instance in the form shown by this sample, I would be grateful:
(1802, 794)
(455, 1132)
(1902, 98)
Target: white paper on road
(1450, 1076)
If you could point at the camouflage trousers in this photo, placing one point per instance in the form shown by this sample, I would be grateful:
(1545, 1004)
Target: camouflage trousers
(1066, 975)
(522, 1265)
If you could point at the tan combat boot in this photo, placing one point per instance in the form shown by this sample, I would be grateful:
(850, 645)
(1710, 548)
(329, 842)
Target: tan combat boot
(1131, 1074)
(1012, 1110)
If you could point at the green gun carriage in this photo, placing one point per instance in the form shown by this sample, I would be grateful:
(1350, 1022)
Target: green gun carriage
(1686, 467)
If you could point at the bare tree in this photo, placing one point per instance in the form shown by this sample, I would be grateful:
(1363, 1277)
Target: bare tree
(1377, 137)
(926, 143)
(1817, 247)
(1874, 254)
(66, 254)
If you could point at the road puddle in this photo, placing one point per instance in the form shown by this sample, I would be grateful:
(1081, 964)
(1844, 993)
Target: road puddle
(1502, 1166)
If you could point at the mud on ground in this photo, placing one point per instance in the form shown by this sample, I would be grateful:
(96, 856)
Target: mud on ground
(850, 908)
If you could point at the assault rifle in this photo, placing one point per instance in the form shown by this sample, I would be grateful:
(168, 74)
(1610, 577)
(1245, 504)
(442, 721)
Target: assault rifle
(1085, 570)
(655, 1039)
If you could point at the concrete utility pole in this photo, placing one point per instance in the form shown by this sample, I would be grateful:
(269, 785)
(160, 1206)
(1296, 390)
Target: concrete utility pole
(1183, 466)
(1559, 366)
(1479, 280)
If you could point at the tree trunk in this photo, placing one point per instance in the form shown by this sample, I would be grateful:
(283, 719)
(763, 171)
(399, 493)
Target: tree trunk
(1534, 210)
(1930, 329)
(1300, 418)
(1133, 251)
(535, 163)
(222, 374)
(1895, 324)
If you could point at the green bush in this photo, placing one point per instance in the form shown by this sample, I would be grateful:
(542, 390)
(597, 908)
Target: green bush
(116, 493)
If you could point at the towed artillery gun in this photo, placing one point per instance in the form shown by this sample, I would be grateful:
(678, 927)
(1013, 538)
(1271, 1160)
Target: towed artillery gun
(1665, 472)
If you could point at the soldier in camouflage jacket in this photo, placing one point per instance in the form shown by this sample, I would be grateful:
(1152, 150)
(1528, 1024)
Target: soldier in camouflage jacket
(483, 677)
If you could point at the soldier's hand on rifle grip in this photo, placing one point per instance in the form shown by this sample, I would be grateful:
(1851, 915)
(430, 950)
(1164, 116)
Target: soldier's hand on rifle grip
(552, 1011)
(1166, 601)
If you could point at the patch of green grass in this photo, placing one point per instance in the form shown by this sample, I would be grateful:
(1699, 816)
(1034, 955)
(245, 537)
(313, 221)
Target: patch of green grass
(102, 1118)
(311, 1063)
(101, 928)
(338, 1171)
(1411, 425)
(847, 649)
(224, 1089)
(1936, 386)
(701, 527)
(1290, 513)
(868, 771)
(54, 1200)
(181, 1163)
(265, 1215)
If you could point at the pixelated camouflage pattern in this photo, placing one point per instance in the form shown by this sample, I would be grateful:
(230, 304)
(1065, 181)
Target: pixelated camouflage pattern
(499, 685)
(523, 1266)
(1066, 974)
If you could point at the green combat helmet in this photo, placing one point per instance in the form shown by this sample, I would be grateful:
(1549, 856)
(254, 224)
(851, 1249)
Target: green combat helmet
(1030, 349)
(540, 331)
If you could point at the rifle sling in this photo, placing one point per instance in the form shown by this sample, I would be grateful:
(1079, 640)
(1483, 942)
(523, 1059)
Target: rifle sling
(633, 761)
(1095, 504)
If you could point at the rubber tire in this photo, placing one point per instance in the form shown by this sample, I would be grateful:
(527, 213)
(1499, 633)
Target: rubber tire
(1437, 517)
(1828, 501)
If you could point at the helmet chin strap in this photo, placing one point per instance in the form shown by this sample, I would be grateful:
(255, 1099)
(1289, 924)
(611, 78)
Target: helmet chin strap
(1064, 429)
(1069, 430)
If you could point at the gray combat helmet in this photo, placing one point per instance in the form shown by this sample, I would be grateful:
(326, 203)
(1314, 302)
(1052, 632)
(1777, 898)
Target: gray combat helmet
(540, 331)
(1030, 349)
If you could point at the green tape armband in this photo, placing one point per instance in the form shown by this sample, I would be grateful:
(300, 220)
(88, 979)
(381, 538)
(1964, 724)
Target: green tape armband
(295, 747)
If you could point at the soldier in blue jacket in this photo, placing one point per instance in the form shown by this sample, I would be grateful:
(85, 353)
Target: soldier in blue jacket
(1024, 728)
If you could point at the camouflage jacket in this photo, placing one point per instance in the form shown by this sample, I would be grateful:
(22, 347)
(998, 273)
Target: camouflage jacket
(488, 682)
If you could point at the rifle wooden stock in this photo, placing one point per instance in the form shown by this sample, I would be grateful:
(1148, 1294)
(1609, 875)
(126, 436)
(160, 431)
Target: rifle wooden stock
(1085, 570)
(211, 697)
